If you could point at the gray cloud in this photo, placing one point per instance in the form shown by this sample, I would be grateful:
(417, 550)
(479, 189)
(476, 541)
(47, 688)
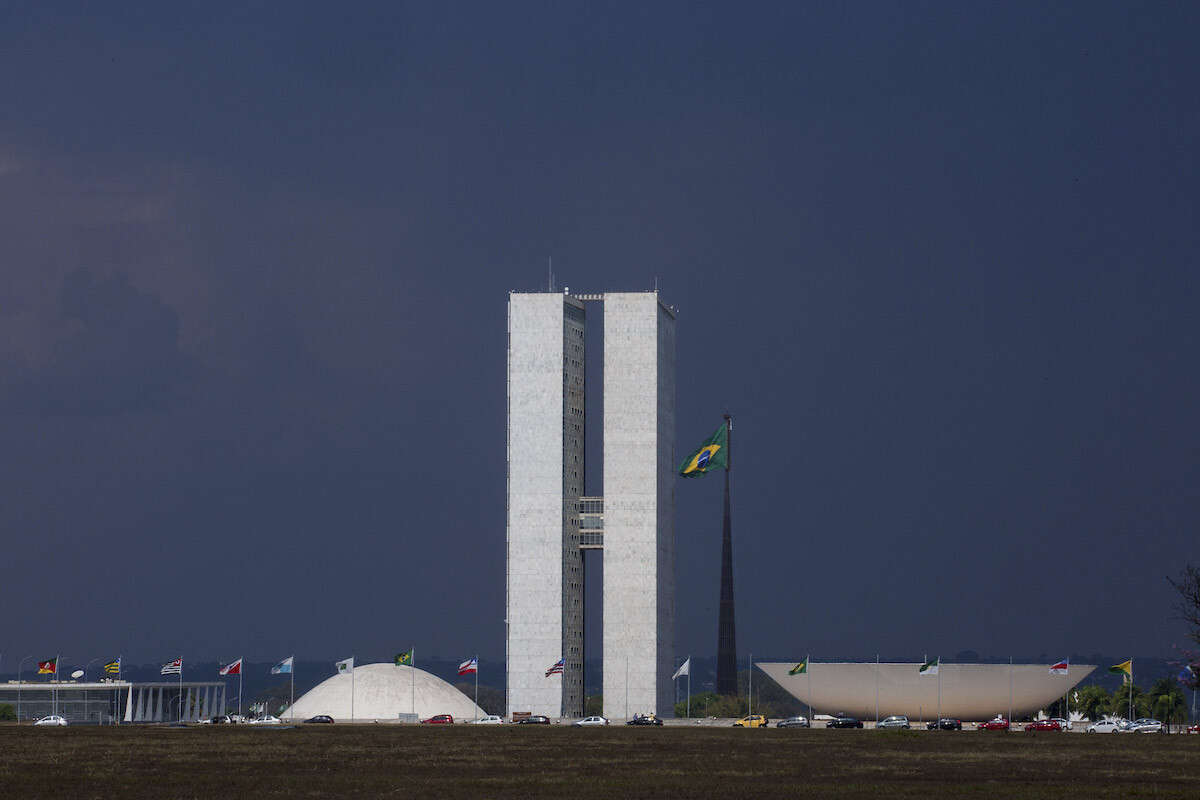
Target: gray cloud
(120, 355)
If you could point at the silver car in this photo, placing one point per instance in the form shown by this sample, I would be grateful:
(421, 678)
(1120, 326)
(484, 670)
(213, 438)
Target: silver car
(589, 721)
(1143, 725)
(793, 722)
(896, 721)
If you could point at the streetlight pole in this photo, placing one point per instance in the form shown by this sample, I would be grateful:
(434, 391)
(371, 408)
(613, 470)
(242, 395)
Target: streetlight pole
(19, 666)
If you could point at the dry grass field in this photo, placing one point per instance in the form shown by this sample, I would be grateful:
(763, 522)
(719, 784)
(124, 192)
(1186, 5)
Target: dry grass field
(617, 762)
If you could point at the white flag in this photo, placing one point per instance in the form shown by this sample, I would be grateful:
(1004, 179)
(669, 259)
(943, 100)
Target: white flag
(345, 666)
(684, 669)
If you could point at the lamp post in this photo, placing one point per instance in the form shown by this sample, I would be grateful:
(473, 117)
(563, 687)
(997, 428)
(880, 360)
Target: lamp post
(19, 665)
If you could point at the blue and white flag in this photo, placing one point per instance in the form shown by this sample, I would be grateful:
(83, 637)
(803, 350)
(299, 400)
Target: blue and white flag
(283, 667)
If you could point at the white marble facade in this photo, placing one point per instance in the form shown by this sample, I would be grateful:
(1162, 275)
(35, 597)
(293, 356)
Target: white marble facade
(546, 476)
(639, 505)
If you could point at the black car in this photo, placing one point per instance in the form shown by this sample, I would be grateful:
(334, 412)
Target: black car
(944, 724)
(646, 720)
(220, 719)
(536, 719)
(320, 718)
(841, 721)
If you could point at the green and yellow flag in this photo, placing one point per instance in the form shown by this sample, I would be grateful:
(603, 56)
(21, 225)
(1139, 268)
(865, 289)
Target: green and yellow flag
(713, 454)
(405, 658)
(800, 668)
(1124, 668)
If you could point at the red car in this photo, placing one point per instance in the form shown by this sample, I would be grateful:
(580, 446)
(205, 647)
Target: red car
(1043, 725)
(997, 724)
(439, 719)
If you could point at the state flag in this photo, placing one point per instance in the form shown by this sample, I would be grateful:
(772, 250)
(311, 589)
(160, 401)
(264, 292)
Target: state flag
(283, 667)
(930, 667)
(234, 668)
(1061, 668)
(345, 665)
(557, 669)
(172, 667)
(469, 666)
(684, 669)
(49, 667)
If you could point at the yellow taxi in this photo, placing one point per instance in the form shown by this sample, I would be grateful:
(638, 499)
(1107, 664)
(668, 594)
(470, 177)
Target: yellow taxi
(752, 721)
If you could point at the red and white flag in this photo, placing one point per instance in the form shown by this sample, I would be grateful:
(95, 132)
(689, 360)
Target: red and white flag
(1060, 668)
(233, 668)
(468, 666)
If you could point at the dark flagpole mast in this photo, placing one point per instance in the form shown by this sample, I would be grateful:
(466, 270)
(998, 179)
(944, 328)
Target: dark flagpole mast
(726, 639)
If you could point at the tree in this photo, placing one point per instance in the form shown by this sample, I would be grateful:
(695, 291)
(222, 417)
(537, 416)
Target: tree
(1187, 606)
(7, 714)
(1093, 702)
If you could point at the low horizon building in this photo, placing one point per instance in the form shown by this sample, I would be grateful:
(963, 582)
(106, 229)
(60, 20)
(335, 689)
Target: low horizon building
(973, 692)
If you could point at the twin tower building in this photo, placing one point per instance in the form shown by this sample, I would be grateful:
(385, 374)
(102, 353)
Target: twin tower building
(551, 524)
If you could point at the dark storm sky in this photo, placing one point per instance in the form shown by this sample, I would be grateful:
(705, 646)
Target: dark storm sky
(939, 259)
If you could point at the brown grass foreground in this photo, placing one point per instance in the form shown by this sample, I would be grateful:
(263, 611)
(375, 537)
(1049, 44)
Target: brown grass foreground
(617, 762)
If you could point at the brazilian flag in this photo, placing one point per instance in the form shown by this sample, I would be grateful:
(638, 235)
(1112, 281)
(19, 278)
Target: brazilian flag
(713, 454)
(405, 658)
(799, 669)
(1125, 668)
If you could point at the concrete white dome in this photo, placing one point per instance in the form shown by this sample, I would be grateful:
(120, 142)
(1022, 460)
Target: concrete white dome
(384, 692)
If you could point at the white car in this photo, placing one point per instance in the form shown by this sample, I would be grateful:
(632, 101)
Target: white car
(53, 719)
(490, 719)
(1107, 726)
(267, 720)
(589, 721)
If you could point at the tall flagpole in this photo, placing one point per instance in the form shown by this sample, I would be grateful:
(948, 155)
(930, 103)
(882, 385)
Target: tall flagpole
(750, 687)
(181, 689)
(939, 713)
(239, 691)
(876, 691)
(352, 693)
(412, 667)
(808, 669)
(689, 697)
(292, 702)
(476, 711)
(1010, 688)
(726, 630)
(1130, 687)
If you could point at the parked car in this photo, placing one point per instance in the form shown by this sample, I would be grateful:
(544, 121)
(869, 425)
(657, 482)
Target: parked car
(1109, 725)
(644, 719)
(793, 722)
(319, 719)
(752, 721)
(896, 721)
(1143, 725)
(590, 721)
(1064, 724)
(534, 719)
(945, 724)
(997, 724)
(490, 719)
(266, 720)
(1193, 728)
(842, 721)
(53, 720)
(1043, 725)
(439, 719)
